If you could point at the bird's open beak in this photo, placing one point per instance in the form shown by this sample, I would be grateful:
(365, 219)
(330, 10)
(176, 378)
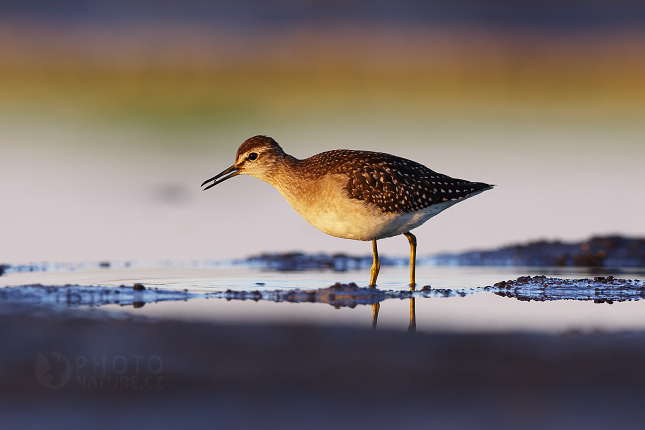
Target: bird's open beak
(234, 171)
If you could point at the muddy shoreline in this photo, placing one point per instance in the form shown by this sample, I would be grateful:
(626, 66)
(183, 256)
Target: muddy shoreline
(52, 298)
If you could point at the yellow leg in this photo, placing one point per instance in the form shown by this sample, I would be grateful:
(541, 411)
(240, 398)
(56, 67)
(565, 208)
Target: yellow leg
(413, 257)
(376, 266)
(413, 316)
(375, 308)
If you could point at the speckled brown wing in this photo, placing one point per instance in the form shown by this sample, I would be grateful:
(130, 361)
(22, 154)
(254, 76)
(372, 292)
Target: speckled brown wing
(392, 183)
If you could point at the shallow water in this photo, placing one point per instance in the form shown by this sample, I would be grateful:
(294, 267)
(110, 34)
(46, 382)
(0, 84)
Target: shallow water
(480, 311)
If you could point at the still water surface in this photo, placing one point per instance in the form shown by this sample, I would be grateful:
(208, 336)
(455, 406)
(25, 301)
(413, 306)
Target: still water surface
(477, 312)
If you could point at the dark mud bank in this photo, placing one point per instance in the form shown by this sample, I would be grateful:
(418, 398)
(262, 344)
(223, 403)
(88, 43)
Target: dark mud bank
(599, 289)
(597, 252)
(601, 251)
(72, 296)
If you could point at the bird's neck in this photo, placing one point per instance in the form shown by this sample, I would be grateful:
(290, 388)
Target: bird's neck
(290, 179)
(279, 170)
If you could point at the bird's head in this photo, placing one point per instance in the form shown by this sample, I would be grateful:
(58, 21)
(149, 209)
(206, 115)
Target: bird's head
(257, 157)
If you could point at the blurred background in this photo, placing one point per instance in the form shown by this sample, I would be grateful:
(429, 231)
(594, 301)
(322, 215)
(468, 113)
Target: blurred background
(112, 113)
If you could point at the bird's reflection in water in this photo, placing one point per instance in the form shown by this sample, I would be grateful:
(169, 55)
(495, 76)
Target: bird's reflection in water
(413, 314)
(375, 308)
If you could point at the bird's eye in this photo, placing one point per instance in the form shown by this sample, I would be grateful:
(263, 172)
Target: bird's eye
(253, 156)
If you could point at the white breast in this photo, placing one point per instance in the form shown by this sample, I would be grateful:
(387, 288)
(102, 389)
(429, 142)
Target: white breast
(326, 206)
